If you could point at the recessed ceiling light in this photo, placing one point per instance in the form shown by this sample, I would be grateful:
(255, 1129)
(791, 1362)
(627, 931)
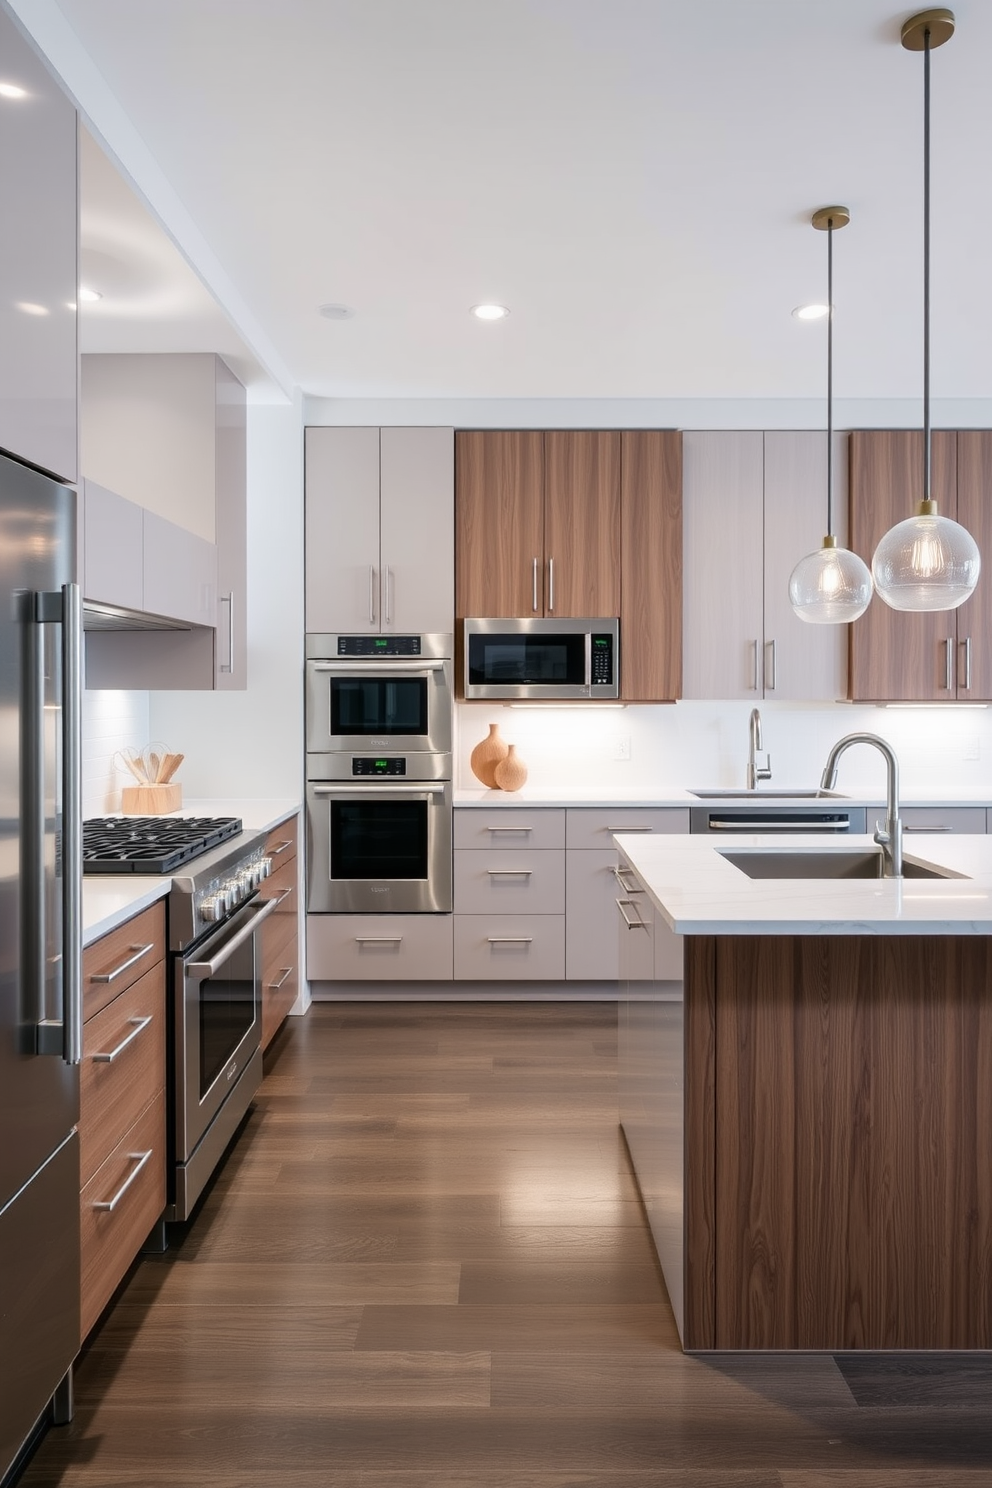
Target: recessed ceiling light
(490, 312)
(811, 312)
(337, 312)
(11, 90)
(89, 296)
(31, 309)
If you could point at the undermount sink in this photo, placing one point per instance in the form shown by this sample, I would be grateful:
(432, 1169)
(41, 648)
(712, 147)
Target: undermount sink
(864, 864)
(768, 795)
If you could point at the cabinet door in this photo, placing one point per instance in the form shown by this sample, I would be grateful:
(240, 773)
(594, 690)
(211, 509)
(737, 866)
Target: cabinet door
(801, 661)
(651, 557)
(499, 523)
(180, 572)
(342, 530)
(723, 525)
(112, 548)
(591, 894)
(417, 538)
(897, 656)
(39, 232)
(974, 617)
(582, 523)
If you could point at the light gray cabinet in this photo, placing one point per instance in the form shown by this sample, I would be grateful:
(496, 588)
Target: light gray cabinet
(112, 547)
(753, 504)
(39, 375)
(509, 877)
(379, 948)
(380, 530)
(168, 433)
(925, 821)
(138, 561)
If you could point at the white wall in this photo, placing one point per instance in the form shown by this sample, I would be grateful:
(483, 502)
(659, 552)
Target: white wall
(111, 721)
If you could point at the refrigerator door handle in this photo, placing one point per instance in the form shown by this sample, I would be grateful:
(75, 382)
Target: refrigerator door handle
(63, 608)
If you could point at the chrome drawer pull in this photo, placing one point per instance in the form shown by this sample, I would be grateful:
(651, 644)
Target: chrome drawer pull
(509, 829)
(510, 939)
(280, 847)
(937, 828)
(510, 872)
(111, 976)
(139, 1024)
(278, 898)
(628, 829)
(618, 874)
(287, 971)
(136, 1157)
(378, 939)
(637, 924)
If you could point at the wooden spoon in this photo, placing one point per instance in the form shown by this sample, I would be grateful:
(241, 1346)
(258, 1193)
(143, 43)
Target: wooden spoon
(170, 765)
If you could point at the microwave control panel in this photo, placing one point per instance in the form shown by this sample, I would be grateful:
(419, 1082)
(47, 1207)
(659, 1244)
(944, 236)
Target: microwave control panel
(602, 660)
(374, 645)
(394, 765)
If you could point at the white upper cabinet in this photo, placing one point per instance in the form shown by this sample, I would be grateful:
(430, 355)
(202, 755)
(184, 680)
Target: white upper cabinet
(39, 372)
(379, 530)
(753, 504)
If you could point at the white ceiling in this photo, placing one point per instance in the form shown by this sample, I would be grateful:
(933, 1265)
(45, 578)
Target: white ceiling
(633, 178)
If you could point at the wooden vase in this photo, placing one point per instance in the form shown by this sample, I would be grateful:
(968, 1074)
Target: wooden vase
(511, 772)
(486, 755)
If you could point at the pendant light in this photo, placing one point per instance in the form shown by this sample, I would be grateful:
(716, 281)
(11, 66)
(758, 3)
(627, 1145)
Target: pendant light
(927, 562)
(832, 585)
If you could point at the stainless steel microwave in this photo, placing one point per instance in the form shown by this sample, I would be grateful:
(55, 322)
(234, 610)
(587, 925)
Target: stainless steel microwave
(542, 659)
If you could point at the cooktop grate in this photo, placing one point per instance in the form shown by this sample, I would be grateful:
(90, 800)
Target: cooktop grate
(151, 844)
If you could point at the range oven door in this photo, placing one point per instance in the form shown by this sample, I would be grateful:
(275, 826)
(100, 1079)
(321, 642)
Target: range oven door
(379, 848)
(218, 1020)
(391, 704)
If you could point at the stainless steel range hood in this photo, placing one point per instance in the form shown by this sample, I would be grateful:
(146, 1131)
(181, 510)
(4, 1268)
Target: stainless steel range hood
(105, 617)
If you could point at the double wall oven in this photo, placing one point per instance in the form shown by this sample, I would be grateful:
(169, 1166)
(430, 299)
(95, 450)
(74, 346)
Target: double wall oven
(379, 726)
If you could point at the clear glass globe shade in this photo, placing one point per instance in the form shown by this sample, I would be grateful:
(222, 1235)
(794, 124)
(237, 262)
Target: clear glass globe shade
(927, 562)
(830, 587)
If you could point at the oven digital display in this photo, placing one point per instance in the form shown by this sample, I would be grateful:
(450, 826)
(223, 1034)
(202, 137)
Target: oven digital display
(391, 645)
(396, 765)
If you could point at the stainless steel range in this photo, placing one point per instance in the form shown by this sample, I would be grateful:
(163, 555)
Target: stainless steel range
(215, 912)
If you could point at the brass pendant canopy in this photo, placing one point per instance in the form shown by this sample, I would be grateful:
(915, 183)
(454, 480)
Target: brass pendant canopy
(829, 219)
(939, 23)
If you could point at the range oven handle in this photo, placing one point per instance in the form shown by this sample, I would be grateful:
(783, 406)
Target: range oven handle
(376, 668)
(418, 788)
(210, 968)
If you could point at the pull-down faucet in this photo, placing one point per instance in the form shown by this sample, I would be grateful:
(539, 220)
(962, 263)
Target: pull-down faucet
(754, 745)
(889, 836)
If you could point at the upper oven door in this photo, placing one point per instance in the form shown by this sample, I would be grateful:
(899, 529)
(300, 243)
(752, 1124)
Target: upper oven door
(506, 659)
(395, 704)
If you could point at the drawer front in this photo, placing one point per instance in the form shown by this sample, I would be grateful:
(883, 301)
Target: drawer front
(111, 1238)
(282, 884)
(509, 882)
(592, 827)
(280, 980)
(492, 948)
(512, 828)
(374, 948)
(938, 819)
(114, 1091)
(116, 961)
(282, 843)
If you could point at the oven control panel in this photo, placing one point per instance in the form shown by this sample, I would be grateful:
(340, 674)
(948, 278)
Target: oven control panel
(373, 645)
(391, 765)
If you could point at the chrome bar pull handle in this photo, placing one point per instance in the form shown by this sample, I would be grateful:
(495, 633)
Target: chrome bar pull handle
(754, 666)
(140, 1024)
(138, 1158)
(771, 667)
(534, 581)
(111, 976)
(287, 971)
(228, 599)
(388, 586)
(623, 905)
(966, 643)
(371, 593)
(949, 664)
(551, 585)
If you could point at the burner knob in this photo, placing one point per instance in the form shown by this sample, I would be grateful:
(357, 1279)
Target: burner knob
(264, 867)
(210, 909)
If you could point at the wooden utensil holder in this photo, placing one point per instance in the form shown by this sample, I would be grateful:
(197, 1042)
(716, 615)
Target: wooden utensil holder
(151, 800)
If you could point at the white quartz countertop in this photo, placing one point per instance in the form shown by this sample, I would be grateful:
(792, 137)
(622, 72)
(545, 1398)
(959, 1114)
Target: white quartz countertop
(674, 795)
(110, 899)
(698, 892)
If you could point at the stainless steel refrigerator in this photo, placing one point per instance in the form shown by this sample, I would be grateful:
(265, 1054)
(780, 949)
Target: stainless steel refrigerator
(40, 939)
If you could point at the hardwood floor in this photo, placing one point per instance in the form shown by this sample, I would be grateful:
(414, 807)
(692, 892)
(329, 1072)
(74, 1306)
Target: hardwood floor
(425, 1265)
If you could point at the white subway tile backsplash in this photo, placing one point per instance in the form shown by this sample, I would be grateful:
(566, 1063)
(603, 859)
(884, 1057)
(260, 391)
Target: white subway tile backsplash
(111, 721)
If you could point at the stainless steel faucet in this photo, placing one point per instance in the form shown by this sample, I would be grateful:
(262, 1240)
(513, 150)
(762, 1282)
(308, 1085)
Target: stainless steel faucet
(754, 773)
(889, 836)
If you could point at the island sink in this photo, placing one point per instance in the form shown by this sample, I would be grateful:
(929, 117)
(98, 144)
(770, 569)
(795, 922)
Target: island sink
(768, 795)
(865, 864)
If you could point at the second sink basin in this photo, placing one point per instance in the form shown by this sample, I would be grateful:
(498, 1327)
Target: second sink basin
(863, 864)
(767, 795)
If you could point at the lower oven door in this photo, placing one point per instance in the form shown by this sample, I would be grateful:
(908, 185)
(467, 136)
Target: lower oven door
(218, 1020)
(379, 848)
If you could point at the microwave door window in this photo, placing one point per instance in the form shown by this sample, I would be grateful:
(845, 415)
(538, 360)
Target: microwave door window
(516, 660)
(378, 705)
(379, 840)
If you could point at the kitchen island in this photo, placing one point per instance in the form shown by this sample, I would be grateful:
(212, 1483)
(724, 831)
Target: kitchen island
(812, 1126)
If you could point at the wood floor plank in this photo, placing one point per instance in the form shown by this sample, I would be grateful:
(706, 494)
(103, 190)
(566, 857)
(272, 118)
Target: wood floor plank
(516, 1327)
(330, 1284)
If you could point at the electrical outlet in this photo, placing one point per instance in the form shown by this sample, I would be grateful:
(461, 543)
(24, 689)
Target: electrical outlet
(622, 748)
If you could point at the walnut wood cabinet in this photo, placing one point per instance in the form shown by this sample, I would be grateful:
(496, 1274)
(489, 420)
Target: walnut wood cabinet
(573, 523)
(280, 931)
(941, 656)
(122, 1136)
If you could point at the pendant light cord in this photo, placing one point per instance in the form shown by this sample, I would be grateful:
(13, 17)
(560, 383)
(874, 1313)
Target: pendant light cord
(830, 377)
(926, 266)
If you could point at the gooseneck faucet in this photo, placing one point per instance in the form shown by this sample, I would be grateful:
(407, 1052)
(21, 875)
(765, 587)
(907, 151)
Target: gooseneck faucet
(889, 836)
(754, 773)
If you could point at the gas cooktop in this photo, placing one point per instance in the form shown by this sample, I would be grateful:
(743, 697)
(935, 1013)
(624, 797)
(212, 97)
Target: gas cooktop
(151, 844)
